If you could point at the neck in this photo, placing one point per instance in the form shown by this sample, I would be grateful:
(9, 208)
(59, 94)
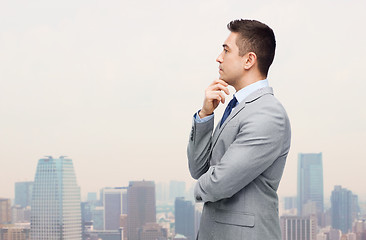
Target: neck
(248, 79)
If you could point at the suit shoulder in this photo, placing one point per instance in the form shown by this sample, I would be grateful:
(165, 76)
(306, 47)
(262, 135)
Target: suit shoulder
(267, 103)
(266, 113)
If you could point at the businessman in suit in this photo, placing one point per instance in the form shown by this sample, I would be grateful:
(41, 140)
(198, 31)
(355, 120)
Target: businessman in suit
(238, 166)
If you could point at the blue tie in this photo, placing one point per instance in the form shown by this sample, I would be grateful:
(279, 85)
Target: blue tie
(228, 109)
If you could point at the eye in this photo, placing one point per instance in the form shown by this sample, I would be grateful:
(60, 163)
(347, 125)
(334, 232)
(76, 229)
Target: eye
(225, 50)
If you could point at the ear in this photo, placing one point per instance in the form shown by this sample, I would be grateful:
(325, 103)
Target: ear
(250, 59)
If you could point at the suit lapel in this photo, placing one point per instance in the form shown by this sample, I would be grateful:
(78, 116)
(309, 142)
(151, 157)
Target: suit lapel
(252, 97)
(219, 129)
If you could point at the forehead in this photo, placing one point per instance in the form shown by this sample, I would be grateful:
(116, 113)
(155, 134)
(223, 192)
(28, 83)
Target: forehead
(231, 40)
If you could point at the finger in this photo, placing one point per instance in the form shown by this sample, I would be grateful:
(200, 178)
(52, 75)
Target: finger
(222, 97)
(220, 87)
(213, 97)
(217, 95)
(221, 82)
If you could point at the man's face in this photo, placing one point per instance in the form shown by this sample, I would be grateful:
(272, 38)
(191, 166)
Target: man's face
(231, 64)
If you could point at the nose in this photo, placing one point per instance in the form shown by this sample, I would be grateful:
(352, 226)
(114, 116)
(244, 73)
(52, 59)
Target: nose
(219, 58)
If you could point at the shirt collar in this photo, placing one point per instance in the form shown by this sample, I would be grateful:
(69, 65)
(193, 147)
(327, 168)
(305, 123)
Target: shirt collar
(246, 91)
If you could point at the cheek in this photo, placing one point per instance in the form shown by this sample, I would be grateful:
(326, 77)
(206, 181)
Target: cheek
(237, 67)
(234, 62)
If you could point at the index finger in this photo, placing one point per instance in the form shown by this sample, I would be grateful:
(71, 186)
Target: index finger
(218, 87)
(220, 81)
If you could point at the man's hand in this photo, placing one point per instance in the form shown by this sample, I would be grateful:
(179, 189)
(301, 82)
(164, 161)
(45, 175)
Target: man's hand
(213, 96)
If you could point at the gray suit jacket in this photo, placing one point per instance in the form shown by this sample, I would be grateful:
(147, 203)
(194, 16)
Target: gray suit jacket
(239, 168)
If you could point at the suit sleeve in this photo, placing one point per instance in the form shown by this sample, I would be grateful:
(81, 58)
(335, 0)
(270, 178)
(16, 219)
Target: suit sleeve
(199, 147)
(258, 144)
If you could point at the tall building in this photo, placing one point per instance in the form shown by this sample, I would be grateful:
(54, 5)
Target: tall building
(184, 217)
(98, 218)
(115, 204)
(123, 226)
(310, 182)
(344, 207)
(87, 211)
(55, 209)
(198, 208)
(141, 207)
(23, 193)
(298, 228)
(92, 197)
(289, 203)
(5, 211)
(86, 217)
(356, 210)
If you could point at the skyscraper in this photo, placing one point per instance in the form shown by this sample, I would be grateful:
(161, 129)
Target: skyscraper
(184, 217)
(114, 202)
(23, 193)
(310, 182)
(344, 206)
(98, 218)
(55, 209)
(86, 217)
(289, 203)
(298, 228)
(92, 197)
(197, 216)
(141, 207)
(5, 211)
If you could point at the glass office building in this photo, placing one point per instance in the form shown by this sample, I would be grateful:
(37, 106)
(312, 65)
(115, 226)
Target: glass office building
(310, 181)
(141, 207)
(23, 194)
(115, 204)
(55, 207)
(184, 217)
(344, 209)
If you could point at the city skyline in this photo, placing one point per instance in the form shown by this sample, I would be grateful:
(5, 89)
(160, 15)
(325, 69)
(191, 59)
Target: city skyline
(170, 189)
(115, 85)
(133, 212)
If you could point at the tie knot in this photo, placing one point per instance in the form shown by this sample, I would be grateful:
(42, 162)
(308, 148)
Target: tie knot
(233, 102)
(228, 109)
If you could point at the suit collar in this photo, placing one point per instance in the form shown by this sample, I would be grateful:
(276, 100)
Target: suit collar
(257, 94)
(252, 97)
(246, 91)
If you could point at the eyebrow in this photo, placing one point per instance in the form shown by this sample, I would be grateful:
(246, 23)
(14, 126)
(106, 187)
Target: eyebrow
(225, 46)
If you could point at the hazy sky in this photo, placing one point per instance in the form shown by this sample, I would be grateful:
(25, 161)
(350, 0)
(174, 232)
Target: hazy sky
(114, 85)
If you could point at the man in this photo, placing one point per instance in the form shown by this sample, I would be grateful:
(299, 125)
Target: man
(240, 165)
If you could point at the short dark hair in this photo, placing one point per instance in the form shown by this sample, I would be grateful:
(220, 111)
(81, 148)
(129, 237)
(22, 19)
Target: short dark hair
(256, 37)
